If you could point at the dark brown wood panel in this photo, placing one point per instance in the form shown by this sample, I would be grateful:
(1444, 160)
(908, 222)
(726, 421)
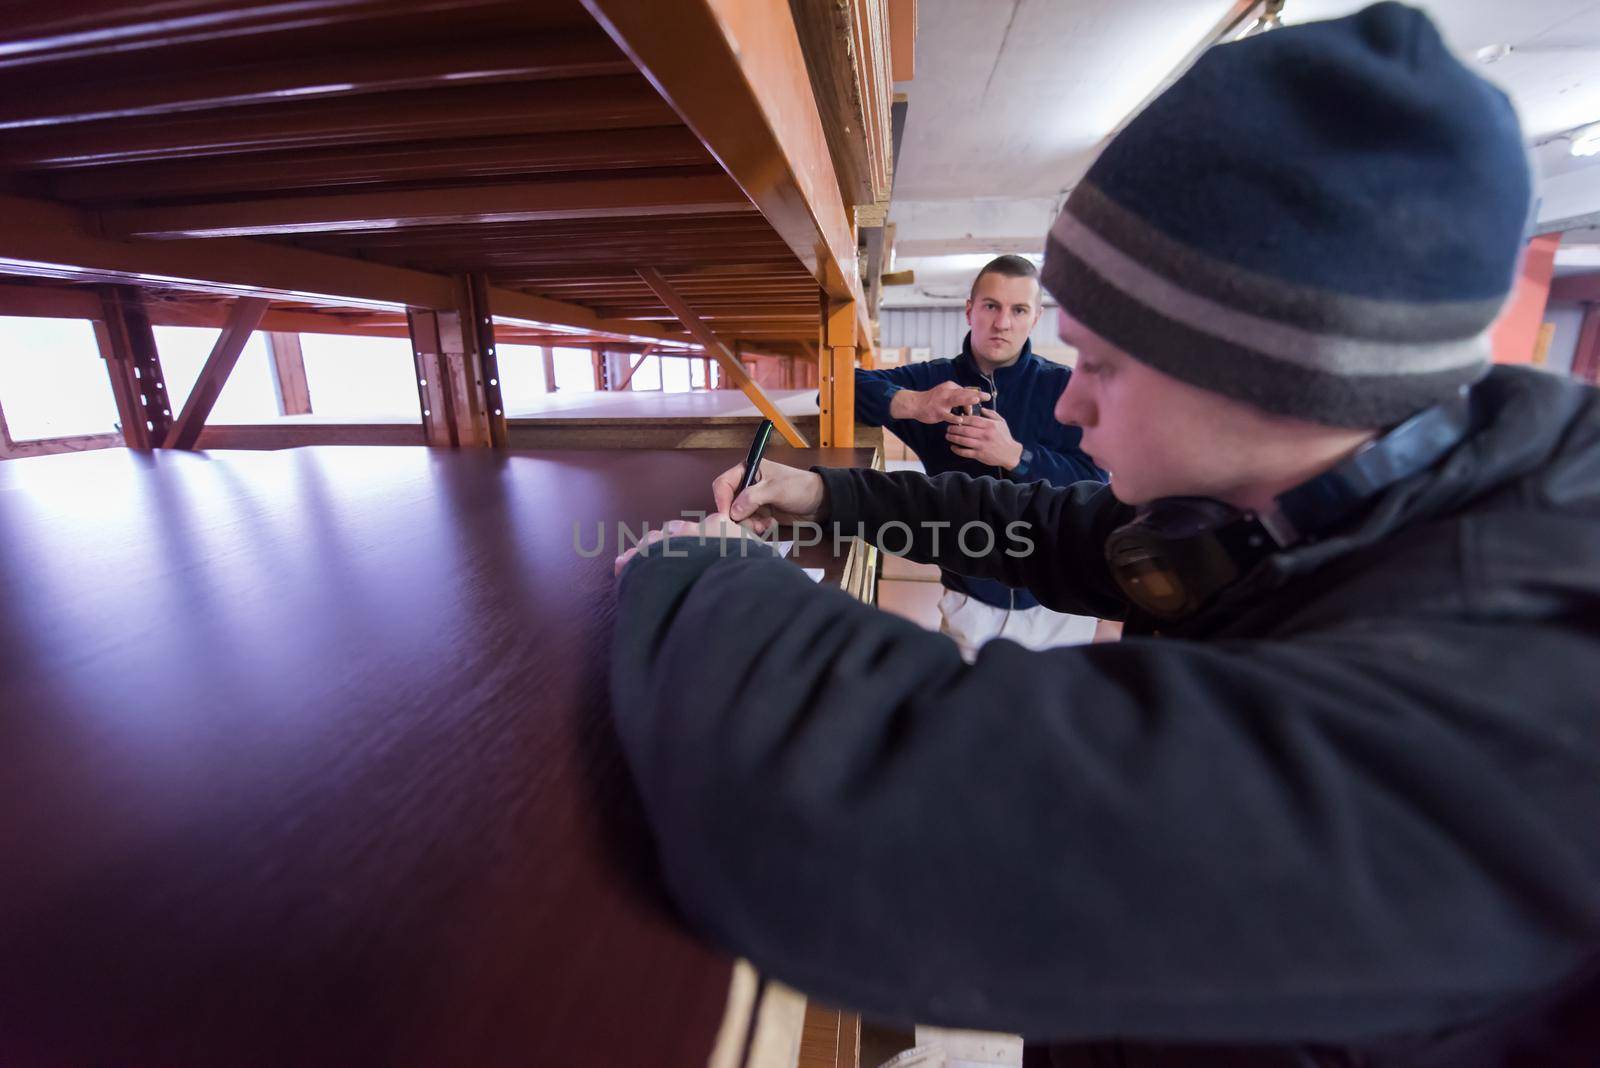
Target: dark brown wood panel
(463, 111)
(89, 39)
(288, 434)
(309, 761)
(364, 165)
(352, 73)
(641, 434)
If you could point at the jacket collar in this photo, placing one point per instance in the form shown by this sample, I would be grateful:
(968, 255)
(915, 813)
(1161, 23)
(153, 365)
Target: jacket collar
(967, 363)
(1534, 444)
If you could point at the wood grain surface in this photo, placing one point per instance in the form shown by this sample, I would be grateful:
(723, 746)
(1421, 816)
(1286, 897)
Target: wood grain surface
(308, 760)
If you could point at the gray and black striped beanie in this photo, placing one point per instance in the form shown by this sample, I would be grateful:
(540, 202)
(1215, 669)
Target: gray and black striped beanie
(1323, 221)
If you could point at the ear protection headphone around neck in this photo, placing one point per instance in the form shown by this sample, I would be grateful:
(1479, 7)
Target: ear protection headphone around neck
(1180, 552)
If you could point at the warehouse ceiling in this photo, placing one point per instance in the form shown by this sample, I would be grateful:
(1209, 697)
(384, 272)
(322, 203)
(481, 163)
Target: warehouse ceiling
(1013, 99)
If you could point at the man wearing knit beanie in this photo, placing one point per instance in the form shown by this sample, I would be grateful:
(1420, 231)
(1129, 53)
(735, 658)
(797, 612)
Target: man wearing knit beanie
(1322, 223)
(1333, 798)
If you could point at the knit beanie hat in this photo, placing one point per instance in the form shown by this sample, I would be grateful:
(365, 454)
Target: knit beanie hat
(1322, 220)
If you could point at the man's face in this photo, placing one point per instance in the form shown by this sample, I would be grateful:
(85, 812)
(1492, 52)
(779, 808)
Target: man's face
(1002, 312)
(1158, 437)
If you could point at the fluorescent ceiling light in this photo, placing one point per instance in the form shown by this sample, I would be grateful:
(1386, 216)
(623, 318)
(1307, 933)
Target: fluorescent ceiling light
(965, 261)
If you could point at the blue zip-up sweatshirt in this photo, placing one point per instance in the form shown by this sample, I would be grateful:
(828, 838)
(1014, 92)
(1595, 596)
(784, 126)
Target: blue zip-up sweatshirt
(1025, 394)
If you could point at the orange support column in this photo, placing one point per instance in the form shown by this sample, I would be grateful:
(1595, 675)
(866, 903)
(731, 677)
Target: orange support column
(138, 384)
(837, 364)
(458, 373)
(436, 394)
(1517, 330)
(548, 355)
(289, 373)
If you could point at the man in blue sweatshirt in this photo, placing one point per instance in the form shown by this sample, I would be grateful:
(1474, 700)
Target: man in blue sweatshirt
(1010, 434)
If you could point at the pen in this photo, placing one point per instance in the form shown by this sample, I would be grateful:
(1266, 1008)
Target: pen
(752, 459)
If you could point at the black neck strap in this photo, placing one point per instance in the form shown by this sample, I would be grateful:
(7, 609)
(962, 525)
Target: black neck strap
(1330, 498)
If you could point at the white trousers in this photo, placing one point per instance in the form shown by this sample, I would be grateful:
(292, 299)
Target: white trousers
(970, 623)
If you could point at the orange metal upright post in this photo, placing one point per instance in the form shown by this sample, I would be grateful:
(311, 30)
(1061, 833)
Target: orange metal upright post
(137, 383)
(837, 365)
(289, 373)
(458, 372)
(1517, 329)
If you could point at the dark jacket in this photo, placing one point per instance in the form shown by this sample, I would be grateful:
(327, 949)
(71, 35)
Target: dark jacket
(1025, 394)
(1357, 803)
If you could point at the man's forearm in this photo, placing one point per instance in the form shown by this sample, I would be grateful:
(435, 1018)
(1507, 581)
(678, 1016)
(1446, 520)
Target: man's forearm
(1031, 535)
(919, 517)
(876, 392)
(1057, 467)
(900, 405)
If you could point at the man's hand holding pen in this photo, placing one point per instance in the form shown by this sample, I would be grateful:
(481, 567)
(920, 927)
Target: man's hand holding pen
(780, 495)
(756, 491)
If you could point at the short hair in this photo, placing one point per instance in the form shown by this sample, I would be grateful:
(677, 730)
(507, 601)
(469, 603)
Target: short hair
(1008, 266)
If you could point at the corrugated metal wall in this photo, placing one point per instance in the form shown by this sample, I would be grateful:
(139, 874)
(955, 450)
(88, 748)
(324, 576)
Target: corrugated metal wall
(937, 329)
(940, 330)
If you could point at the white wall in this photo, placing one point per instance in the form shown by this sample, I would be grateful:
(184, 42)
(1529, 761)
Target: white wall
(1568, 318)
(1567, 196)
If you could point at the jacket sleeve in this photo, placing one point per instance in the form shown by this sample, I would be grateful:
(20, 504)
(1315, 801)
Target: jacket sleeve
(1047, 539)
(1058, 466)
(1158, 839)
(875, 389)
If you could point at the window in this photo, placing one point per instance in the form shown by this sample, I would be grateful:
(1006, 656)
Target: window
(676, 374)
(53, 381)
(361, 378)
(648, 376)
(250, 394)
(697, 374)
(521, 376)
(574, 370)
